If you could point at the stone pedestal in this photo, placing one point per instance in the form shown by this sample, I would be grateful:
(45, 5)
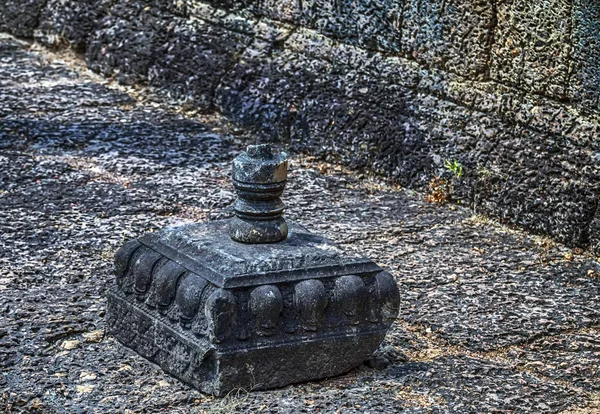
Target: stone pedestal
(221, 314)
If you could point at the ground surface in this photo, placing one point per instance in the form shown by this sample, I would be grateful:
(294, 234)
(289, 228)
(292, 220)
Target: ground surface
(491, 320)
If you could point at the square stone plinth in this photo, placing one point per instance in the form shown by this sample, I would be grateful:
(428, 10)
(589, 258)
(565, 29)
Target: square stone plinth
(221, 315)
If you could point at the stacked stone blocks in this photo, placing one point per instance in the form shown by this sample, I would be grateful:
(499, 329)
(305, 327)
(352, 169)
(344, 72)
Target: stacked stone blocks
(509, 89)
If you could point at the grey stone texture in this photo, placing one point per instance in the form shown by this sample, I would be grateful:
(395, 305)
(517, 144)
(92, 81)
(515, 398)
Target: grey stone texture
(221, 315)
(20, 17)
(507, 88)
(586, 54)
(570, 357)
(532, 46)
(259, 176)
(249, 302)
(491, 319)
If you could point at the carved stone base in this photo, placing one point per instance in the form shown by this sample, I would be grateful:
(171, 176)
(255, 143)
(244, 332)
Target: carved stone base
(221, 315)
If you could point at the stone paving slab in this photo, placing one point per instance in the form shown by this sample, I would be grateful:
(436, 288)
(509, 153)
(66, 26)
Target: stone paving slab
(572, 357)
(485, 386)
(492, 320)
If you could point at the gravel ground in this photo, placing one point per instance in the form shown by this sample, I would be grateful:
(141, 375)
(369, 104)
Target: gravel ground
(491, 319)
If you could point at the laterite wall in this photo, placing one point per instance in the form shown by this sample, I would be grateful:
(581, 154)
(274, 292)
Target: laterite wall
(510, 89)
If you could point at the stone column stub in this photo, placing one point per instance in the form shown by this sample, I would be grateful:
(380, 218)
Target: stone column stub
(251, 302)
(259, 176)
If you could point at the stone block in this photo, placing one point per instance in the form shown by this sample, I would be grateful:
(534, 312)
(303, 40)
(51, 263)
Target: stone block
(193, 59)
(253, 302)
(364, 116)
(221, 315)
(532, 46)
(373, 24)
(125, 43)
(541, 182)
(280, 10)
(452, 35)
(265, 88)
(585, 81)
(187, 58)
(70, 23)
(20, 17)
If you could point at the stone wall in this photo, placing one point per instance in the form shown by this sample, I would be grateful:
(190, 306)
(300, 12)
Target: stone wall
(510, 89)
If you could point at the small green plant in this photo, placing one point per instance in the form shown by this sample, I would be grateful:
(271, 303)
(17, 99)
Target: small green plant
(454, 167)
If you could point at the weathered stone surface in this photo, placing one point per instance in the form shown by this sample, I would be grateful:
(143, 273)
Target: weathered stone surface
(371, 100)
(185, 57)
(191, 63)
(586, 54)
(453, 35)
(282, 10)
(70, 23)
(20, 17)
(478, 378)
(563, 204)
(532, 46)
(77, 183)
(266, 87)
(397, 87)
(371, 24)
(572, 357)
(220, 315)
(259, 176)
(129, 55)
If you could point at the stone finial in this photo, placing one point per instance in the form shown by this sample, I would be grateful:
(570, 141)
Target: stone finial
(259, 177)
(249, 315)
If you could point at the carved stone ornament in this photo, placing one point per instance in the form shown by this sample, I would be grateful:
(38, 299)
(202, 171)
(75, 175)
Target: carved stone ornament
(253, 302)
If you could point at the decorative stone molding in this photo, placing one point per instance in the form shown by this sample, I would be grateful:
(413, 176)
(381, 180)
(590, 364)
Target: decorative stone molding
(220, 314)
